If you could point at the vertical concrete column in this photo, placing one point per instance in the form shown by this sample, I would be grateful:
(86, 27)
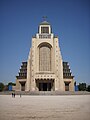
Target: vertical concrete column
(28, 74)
(71, 85)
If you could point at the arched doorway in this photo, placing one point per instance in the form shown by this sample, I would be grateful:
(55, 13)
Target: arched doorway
(22, 85)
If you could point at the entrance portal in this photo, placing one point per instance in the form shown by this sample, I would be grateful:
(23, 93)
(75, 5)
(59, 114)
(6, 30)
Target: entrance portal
(22, 86)
(67, 86)
(45, 85)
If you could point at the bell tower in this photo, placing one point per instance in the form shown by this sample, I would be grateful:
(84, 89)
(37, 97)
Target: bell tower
(46, 70)
(44, 28)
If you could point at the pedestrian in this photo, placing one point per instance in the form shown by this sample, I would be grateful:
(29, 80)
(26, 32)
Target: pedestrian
(12, 94)
(20, 95)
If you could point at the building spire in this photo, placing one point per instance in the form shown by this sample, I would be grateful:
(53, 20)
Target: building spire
(44, 18)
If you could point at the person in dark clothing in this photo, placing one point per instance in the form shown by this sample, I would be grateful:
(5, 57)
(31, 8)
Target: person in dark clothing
(12, 94)
(20, 94)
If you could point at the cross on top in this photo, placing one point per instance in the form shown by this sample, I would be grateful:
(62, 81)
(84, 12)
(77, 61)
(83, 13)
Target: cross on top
(44, 18)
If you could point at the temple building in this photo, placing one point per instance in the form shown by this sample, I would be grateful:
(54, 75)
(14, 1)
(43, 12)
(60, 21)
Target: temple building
(45, 69)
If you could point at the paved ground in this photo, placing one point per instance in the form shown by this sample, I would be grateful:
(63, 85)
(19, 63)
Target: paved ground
(71, 107)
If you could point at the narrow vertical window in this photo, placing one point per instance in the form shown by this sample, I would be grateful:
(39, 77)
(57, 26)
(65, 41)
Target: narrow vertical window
(44, 58)
(44, 29)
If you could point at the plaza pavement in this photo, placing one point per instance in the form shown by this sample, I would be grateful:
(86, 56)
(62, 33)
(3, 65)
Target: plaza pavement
(66, 107)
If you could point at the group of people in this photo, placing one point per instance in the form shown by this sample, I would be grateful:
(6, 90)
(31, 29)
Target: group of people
(13, 95)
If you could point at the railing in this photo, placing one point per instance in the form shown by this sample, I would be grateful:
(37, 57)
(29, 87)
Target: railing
(45, 36)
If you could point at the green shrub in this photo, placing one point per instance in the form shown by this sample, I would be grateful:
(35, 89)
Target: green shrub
(1, 87)
(88, 88)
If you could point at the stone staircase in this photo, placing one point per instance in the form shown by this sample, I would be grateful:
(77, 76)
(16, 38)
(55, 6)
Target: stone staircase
(45, 93)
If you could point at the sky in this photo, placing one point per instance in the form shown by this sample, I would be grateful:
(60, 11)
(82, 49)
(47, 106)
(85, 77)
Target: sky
(19, 20)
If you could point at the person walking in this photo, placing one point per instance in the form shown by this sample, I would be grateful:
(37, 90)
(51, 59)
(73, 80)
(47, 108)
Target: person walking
(20, 95)
(14, 95)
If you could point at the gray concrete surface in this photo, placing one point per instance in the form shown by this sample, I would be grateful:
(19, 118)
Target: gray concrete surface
(71, 107)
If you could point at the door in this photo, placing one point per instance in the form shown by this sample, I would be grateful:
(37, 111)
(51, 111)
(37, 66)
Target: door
(66, 86)
(44, 86)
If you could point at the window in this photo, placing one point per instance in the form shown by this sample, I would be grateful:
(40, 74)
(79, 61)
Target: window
(44, 58)
(45, 30)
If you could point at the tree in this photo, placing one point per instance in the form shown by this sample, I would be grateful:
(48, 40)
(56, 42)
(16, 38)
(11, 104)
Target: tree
(88, 88)
(1, 87)
(10, 83)
(82, 86)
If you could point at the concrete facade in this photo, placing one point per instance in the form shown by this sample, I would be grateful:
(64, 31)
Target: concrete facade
(44, 67)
